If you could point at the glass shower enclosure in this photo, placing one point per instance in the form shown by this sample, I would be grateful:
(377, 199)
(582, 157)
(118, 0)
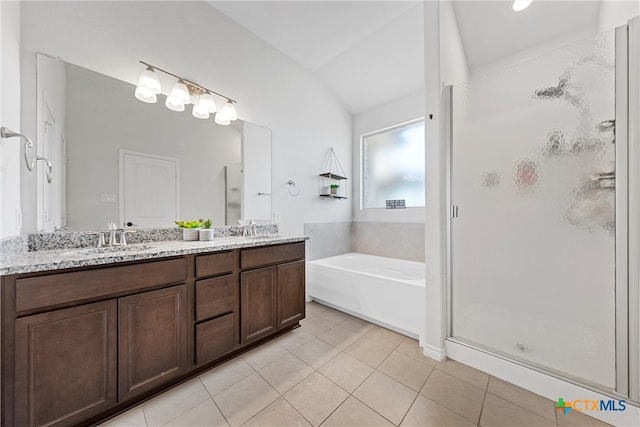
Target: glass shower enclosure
(538, 214)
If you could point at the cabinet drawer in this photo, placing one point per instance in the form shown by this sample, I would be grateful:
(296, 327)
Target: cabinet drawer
(268, 255)
(211, 265)
(216, 296)
(55, 289)
(216, 338)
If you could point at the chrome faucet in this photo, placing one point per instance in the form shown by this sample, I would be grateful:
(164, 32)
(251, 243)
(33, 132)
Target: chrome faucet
(112, 235)
(248, 230)
(100, 235)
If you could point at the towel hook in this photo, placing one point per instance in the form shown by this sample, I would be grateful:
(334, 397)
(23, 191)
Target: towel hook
(8, 133)
(292, 188)
(31, 162)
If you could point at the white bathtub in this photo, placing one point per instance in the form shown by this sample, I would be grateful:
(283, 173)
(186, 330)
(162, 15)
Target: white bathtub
(386, 291)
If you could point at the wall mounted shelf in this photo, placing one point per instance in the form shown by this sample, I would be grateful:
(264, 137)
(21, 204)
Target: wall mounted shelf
(333, 180)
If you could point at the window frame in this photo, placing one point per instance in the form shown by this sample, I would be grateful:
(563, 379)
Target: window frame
(361, 160)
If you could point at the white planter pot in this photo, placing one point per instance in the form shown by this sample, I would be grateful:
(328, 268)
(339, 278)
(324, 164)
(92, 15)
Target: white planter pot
(190, 233)
(206, 234)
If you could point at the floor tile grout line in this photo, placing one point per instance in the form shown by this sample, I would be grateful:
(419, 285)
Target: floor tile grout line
(230, 385)
(451, 409)
(214, 401)
(462, 379)
(269, 404)
(144, 415)
(296, 409)
(484, 399)
(520, 406)
(392, 423)
(417, 394)
(185, 411)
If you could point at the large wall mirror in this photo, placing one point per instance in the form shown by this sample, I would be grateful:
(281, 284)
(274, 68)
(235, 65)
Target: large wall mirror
(116, 159)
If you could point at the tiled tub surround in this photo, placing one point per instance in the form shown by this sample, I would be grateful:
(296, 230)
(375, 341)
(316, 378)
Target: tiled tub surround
(387, 239)
(327, 239)
(336, 370)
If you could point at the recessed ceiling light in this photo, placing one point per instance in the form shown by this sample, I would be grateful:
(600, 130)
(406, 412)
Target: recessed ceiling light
(519, 5)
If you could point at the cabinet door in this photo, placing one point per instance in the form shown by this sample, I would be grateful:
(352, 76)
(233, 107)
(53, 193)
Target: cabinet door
(153, 339)
(291, 303)
(65, 365)
(258, 304)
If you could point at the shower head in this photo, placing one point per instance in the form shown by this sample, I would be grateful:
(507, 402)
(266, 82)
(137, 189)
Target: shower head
(553, 92)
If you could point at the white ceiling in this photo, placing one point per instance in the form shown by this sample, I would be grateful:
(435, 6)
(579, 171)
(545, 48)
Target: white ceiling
(366, 52)
(491, 30)
(371, 52)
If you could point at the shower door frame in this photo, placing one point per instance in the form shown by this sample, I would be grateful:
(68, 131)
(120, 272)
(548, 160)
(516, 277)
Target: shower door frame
(627, 210)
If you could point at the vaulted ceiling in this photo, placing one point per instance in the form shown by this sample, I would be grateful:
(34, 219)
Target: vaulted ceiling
(371, 52)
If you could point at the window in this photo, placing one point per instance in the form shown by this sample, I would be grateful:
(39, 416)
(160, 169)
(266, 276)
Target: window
(393, 165)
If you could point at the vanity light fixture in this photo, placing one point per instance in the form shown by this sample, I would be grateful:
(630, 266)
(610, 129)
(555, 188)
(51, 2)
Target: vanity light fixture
(520, 5)
(182, 93)
(148, 86)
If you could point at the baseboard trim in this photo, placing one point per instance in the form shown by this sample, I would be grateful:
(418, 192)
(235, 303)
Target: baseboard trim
(438, 353)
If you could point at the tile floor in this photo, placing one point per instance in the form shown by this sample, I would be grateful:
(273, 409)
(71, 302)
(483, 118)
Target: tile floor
(337, 370)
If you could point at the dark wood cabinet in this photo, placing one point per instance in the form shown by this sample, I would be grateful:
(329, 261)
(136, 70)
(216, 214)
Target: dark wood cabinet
(258, 307)
(272, 298)
(291, 303)
(152, 339)
(82, 344)
(65, 369)
(215, 338)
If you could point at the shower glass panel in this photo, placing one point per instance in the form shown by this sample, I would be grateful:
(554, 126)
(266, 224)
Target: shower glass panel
(533, 235)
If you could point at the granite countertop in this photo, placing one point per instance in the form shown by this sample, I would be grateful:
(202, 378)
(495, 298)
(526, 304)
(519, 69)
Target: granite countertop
(58, 259)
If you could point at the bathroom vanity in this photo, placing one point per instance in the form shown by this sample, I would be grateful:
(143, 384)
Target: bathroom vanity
(82, 343)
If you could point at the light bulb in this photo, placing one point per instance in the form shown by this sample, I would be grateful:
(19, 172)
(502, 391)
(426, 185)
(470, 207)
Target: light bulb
(221, 119)
(145, 95)
(180, 91)
(149, 80)
(199, 111)
(207, 101)
(520, 5)
(174, 104)
(229, 111)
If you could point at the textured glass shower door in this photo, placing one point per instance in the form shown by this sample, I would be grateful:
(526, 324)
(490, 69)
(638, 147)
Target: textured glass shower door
(533, 212)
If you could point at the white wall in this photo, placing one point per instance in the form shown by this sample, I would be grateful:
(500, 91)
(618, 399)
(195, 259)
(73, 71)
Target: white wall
(453, 60)
(435, 237)
(194, 40)
(400, 110)
(10, 149)
(614, 13)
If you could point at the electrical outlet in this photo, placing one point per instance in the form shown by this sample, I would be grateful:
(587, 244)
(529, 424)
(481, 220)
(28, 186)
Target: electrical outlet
(276, 217)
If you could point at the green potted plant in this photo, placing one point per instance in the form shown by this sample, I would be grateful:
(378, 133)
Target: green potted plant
(189, 229)
(206, 232)
(334, 188)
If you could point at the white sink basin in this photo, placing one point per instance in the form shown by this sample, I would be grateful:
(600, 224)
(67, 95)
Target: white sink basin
(106, 250)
